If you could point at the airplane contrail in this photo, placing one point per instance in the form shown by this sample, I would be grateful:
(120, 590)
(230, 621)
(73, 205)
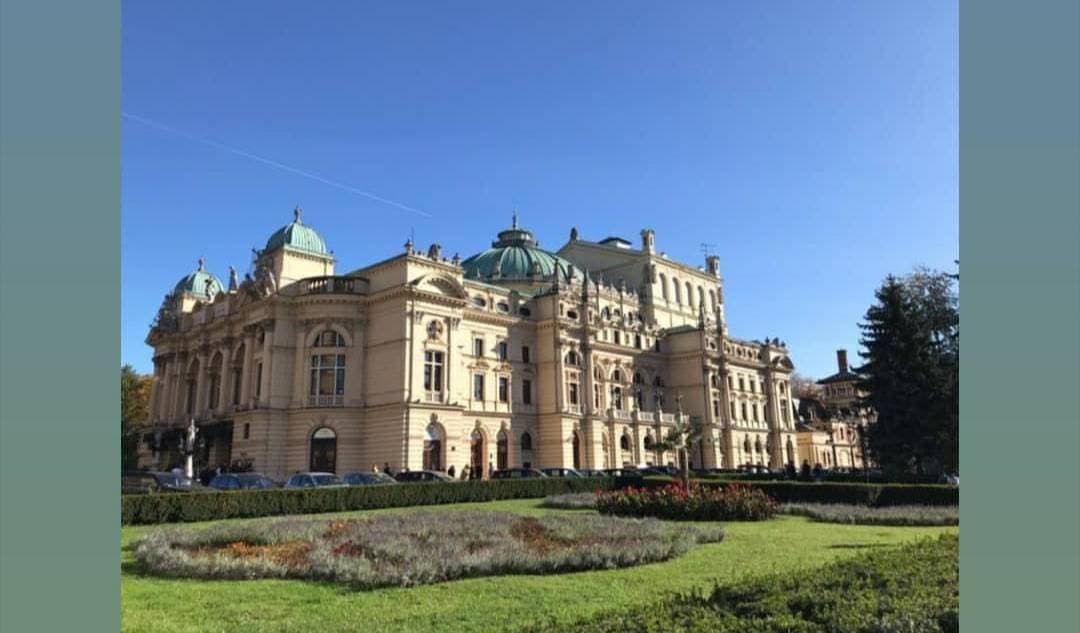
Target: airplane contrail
(272, 163)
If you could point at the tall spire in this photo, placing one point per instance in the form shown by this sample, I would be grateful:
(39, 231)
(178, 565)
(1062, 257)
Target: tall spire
(514, 224)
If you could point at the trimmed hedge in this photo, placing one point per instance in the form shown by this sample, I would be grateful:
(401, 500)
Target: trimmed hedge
(844, 493)
(915, 587)
(212, 506)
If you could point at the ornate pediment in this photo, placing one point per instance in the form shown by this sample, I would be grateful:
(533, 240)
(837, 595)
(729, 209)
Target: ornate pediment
(441, 285)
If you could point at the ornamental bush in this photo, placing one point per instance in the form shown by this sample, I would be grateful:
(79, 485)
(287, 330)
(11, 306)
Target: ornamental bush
(733, 502)
(866, 515)
(212, 506)
(915, 587)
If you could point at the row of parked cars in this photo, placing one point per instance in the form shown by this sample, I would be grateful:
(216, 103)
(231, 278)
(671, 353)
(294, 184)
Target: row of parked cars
(155, 481)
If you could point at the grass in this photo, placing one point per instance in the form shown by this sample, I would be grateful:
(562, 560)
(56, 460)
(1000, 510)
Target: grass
(786, 544)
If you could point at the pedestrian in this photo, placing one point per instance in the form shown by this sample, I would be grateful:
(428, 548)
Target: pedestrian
(386, 468)
(450, 471)
(465, 473)
(375, 469)
(819, 472)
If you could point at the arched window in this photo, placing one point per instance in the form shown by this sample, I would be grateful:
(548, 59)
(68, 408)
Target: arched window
(648, 442)
(576, 439)
(502, 453)
(624, 442)
(712, 299)
(237, 374)
(658, 393)
(616, 398)
(675, 287)
(323, 455)
(476, 454)
(606, 313)
(639, 396)
(192, 382)
(327, 386)
(700, 296)
(329, 338)
(616, 376)
(689, 294)
(526, 442)
(215, 381)
(572, 358)
(663, 286)
(433, 445)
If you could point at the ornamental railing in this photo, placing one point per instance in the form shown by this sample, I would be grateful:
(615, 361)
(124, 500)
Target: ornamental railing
(331, 285)
(326, 401)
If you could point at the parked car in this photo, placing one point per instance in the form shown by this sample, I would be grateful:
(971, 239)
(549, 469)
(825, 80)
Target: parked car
(241, 481)
(314, 480)
(411, 476)
(562, 472)
(367, 479)
(623, 472)
(658, 470)
(592, 472)
(139, 482)
(517, 473)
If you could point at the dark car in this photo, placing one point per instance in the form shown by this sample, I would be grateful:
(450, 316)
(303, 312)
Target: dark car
(412, 476)
(592, 472)
(241, 481)
(517, 473)
(569, 473)
(313, 480)
(368, 479)
(139, 482)
(623, 472)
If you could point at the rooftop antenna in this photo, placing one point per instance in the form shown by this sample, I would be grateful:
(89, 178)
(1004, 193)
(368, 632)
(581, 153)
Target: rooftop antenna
(707, 248)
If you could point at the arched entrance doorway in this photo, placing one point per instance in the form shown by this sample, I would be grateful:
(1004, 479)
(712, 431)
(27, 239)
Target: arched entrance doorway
(323, 456)
(577, 450)
(502, 453)
(476, 455)
(433, 448)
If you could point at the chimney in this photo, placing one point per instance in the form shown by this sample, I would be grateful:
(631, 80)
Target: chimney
(841, 360)
(712, 265)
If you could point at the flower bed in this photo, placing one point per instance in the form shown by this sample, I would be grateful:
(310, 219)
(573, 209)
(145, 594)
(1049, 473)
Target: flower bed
(414, 548)
(864, 515)
(733, 502)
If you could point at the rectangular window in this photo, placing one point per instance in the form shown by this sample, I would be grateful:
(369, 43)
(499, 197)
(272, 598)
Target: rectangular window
(526, 390)
(573, 393)
(258, 380)
(730, 383)
(433, 371)
(618, 338)
(327, 386)
(525, 354)
(502, 350)
(716, 408)
(504, 389)
(732, 410)
(755, 412)
(478, 386)
(637, 341)
(742, 384)
(247, 430)
(478, 347)
(742, 409)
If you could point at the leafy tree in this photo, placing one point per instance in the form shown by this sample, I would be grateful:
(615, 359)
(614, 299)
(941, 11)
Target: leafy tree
(134, 413)
(803, 386)
(911, 338)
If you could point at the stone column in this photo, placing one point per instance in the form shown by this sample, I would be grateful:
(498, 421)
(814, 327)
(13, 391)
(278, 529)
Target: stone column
(267, 361)
(300, 388)
(200, 383)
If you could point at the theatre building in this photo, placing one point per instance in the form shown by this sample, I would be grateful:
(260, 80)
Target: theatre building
(514, 356)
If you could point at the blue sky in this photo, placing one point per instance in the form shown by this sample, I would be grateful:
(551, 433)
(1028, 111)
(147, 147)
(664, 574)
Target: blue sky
(813, 144)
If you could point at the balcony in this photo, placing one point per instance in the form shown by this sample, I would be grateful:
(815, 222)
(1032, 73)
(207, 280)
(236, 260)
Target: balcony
(647, 417)
(618, 415)
(326, 401)
(667, 418)
(332, 285)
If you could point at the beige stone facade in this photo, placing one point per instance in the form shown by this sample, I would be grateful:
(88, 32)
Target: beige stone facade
(514, 357)
(830, 424)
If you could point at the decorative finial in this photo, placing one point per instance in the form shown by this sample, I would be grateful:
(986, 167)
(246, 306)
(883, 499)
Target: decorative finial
(514, 225)
(201, 263)
(296, 214)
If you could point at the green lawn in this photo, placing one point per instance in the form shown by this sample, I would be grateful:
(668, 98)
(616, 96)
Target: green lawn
(787, 544)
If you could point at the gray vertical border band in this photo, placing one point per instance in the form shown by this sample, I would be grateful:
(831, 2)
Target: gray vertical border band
(1020, 366)
(59, 315)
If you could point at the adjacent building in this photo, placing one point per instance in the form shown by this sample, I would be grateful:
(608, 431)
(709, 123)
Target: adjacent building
(830, 425)
(514, 356)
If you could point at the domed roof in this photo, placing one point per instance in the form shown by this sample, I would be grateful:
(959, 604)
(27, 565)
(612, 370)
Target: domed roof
(297, 235)
(515, 256)
(195, 283)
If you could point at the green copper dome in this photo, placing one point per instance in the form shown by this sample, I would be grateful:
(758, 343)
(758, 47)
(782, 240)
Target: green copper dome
(195, 283)
(296, 235)
(515, 256)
